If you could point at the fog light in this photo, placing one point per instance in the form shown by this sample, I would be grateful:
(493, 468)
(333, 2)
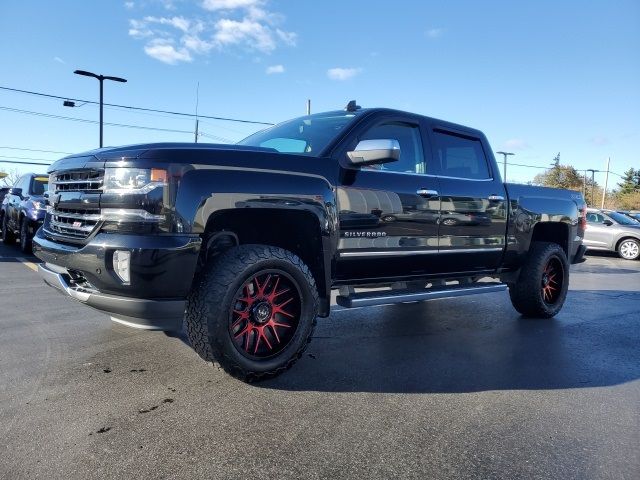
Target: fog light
(121, 261)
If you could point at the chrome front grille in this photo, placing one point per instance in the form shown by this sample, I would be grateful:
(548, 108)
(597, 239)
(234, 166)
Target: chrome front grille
(88, 181)
(73, 223)
(79, 222)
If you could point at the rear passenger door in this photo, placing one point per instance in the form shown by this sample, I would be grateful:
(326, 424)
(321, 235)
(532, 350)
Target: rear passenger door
(473, 210)
(388, 213)
(597, 234)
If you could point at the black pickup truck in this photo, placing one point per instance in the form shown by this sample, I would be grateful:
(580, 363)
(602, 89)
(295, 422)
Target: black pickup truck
(246, 242)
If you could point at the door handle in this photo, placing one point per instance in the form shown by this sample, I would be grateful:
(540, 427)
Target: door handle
(423, 192)
(496, 198)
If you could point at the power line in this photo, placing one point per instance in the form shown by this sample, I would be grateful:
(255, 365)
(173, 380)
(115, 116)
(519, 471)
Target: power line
(33, 150)
(27, 158)
(25, 163)
(129, 107)
(523, 165)
(84, 120)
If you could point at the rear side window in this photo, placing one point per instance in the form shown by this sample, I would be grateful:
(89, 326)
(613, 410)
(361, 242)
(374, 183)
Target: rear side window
(459, 156)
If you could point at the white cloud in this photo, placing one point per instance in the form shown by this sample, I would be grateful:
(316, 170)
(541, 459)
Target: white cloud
(434, 32)
(516, 144)
(599, 140)
(165, 51)
(139, 29)
(129, 5)
(290, 38)
(196, 44)
(59, 60)
(342, 73)
(224, 24)
(248, 32)
(275, 69)
(213, 5)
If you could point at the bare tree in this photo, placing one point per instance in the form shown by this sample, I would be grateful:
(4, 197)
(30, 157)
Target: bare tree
(12, 177)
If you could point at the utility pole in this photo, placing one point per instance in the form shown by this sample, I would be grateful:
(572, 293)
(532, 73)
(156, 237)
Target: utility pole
(584, 185)
(197, 102)
(101, 79)
(592, 184)
(606, 181)
(308, 106)
(504, 179)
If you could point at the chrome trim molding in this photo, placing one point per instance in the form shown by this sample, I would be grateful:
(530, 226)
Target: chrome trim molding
(394, 253)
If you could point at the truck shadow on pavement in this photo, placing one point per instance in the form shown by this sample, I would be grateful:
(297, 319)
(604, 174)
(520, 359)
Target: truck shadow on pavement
(467, 345)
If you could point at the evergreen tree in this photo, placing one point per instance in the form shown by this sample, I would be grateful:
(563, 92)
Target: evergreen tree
(630, 182)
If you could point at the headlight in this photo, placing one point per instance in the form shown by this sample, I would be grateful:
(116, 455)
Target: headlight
(38, 205)
(133, 180)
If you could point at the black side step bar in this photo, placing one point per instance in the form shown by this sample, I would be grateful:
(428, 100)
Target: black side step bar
(367, 299)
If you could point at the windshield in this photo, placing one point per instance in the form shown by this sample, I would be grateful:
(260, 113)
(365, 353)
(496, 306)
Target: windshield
(305, 135)
(39, 185)
(622, 219)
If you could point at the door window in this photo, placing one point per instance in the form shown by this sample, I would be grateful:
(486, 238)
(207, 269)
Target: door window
(408, 136)
(594, 218)
(460, 157)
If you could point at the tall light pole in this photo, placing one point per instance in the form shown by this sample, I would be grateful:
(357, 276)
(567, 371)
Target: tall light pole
(606, 182)
(101, 79)
(592, 183)
(505, 164)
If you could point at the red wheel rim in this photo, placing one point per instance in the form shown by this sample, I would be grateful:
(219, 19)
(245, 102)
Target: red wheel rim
(265, 314)
(552, 281)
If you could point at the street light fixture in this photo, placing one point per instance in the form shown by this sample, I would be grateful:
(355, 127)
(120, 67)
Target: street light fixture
(101, 79)
(505, 163)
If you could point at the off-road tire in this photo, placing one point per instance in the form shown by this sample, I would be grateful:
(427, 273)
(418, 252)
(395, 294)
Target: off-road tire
(8, 238)
(25, 237)
(527, 295)
(209, 304)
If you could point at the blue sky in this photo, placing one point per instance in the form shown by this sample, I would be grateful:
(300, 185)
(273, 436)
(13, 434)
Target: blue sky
(537, 77)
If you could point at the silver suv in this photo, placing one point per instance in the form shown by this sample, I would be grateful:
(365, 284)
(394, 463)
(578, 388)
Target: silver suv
(613, 231)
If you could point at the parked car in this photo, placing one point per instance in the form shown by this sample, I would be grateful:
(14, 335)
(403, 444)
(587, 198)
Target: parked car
(23, 210)
(634, 215)
(250, 239)
(3, 192)
(612, 231)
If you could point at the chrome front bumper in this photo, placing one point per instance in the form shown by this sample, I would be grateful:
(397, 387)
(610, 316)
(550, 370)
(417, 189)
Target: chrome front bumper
(134, 312)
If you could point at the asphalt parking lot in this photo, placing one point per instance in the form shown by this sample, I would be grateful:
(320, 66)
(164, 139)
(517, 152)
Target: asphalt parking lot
(460, 388)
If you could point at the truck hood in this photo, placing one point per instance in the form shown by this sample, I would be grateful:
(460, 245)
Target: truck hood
(158, 151)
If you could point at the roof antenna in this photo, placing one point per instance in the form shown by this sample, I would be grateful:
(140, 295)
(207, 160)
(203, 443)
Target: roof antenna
(352, 106)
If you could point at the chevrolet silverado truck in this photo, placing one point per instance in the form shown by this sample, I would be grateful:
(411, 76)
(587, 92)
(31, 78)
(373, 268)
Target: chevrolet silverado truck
(245, 243)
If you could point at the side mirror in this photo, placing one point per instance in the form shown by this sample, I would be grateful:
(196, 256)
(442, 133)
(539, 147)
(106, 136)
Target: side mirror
(608, 223)
(15, 191)
(373, 152)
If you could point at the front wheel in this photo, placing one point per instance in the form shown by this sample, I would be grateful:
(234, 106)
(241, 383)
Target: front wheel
(26, 236)
(8, 238)
(252, 309)
(629, 249)
(543, 282)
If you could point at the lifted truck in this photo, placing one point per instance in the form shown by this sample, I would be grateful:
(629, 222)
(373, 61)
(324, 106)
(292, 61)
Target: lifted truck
(246, 242)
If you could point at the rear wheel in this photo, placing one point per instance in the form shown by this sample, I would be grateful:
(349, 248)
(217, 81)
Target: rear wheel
(629, 249)
(8, 238)
(543, 282)
(252, 309)
(26, 236)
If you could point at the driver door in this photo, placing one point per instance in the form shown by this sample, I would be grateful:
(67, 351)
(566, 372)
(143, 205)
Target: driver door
(388, 213)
